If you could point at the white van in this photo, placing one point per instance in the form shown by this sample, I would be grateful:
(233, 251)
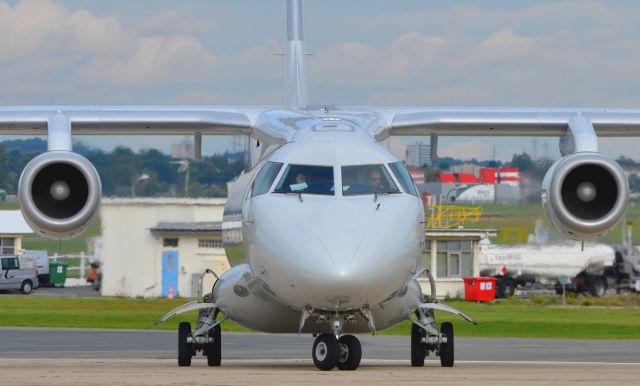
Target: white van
(42, 265)
(18, 273)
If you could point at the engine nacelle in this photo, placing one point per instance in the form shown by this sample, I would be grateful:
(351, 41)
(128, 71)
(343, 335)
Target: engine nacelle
(585, 195)
(59, 193)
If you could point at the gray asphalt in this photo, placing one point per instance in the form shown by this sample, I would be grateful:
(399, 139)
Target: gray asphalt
(121, 344)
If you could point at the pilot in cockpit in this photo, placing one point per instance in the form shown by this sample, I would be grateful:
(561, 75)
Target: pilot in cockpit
(375, 180)
(299, 184)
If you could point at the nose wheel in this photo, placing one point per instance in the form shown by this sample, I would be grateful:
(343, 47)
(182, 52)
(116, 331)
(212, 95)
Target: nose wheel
(350, 353)
(344, 353)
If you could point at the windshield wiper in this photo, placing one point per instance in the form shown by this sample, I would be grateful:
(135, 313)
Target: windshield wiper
(376, 194)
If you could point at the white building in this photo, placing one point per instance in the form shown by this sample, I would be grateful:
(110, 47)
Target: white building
(450, 255)
(160, 247)
(12, 228)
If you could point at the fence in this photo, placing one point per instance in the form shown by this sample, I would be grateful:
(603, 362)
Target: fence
(78, 265)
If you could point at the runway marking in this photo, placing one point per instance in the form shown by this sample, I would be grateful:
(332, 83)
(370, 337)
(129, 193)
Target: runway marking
(298, 361)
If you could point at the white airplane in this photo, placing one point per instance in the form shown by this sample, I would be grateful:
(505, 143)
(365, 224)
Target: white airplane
(329, 221)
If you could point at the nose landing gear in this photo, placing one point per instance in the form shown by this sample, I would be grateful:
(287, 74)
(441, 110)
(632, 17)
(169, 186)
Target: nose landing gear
(344, 353)
(329, 351)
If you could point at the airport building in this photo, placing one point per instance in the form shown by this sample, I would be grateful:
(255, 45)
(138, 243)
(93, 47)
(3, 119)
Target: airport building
(450, 255)
(12, 229)
(160, 247)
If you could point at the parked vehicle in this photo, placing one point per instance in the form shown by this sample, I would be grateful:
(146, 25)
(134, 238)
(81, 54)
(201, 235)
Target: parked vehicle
(18, 273)
(622, 275)
(42, 265)
(538, 265)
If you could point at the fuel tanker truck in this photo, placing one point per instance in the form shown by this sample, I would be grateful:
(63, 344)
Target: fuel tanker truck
(538, 265)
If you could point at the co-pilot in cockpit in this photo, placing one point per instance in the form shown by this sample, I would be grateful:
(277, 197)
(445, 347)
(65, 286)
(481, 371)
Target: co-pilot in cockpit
(306, 179)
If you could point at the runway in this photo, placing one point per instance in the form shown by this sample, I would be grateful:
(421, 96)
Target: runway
(79, 356)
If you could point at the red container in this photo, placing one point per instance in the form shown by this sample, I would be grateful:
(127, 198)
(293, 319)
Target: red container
(479, 289)
(488, 175)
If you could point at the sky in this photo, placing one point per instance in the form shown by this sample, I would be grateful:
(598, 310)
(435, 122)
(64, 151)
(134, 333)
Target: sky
(431, 53)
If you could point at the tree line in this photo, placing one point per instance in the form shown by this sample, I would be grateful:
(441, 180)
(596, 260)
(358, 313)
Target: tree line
(122, 168)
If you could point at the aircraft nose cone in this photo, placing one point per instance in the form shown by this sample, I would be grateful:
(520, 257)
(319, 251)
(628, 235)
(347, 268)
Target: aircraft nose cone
(334, 270)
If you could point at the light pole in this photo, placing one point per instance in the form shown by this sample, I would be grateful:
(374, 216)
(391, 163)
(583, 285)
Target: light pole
(184, 168)
(144, 177)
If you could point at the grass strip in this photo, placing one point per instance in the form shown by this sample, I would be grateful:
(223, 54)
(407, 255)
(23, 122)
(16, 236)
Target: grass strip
(511, 318)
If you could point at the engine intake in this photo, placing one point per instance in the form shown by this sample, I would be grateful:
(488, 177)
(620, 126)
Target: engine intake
(585, 195)
(59, 194)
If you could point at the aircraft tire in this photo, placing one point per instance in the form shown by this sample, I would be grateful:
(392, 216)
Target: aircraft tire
(446, 349)
(326, 352)
(506, 287)
(214, 349)
(597, 287)
(418, 350)
(350, 353)
(185, 349)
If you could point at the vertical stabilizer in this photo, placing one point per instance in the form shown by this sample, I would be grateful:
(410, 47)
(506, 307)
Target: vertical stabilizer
(295, 72)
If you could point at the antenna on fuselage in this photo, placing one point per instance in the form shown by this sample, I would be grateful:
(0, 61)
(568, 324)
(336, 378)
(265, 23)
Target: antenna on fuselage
(295, 69)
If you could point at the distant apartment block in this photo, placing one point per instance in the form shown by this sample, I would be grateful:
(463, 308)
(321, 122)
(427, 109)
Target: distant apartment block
(419, 154)
(183, 149)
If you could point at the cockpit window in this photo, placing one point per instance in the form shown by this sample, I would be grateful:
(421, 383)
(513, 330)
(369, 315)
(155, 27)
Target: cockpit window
(265, 178)
(404, 178)
(307, 179)
(367, 179)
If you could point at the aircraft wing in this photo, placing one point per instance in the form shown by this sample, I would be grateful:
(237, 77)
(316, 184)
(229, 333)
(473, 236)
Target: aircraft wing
(105, 120)
(447, 121)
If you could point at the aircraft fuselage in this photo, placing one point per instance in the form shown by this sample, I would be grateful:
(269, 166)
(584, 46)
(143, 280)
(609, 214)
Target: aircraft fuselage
(339, 243)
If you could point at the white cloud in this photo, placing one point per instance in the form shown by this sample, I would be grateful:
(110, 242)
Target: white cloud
(584, 53)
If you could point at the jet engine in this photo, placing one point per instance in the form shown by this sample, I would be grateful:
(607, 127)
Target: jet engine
(585, 195)
(59, 193)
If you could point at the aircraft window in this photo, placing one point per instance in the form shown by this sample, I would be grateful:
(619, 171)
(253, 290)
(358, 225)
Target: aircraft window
(307, 179)
(367, 179)
(403, 177)
(265, 178)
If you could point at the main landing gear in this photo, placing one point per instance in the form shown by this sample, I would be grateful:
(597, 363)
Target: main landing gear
(425, 338)
(207, 338)
(421, 345)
